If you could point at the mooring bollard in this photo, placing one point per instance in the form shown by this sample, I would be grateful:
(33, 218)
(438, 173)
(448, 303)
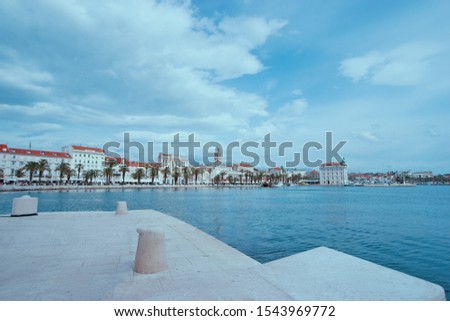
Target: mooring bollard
(24, 206)
(151, 251)
(121, 208)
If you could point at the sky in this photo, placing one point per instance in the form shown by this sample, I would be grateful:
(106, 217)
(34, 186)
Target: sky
(374, 73)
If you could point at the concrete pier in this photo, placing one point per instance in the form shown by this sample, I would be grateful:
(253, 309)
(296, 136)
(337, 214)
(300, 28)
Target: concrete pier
(91, 256)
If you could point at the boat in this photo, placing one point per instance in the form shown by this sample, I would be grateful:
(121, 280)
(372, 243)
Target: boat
(266, 184)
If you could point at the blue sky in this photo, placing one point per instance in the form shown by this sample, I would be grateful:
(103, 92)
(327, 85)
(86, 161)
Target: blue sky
(375, 73)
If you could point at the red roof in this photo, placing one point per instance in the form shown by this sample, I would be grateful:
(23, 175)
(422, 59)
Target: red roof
(85, 148)
(332, 164)
(38, 153)
(244, 165)
(4, 148)
(126, 162)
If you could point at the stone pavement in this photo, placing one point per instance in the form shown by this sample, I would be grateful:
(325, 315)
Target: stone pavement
(90, 256)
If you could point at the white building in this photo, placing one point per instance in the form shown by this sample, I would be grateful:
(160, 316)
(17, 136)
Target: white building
(172, 163)
(333, 174)
(13, 159)
(91, 158)
(426, 174)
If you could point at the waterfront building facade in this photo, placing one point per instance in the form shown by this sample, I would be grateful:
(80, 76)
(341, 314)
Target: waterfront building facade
(88, 158)
(14, 159)
(333, 174)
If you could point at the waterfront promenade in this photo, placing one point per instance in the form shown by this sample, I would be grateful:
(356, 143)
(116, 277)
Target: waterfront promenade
(90, 256)
(43, 188)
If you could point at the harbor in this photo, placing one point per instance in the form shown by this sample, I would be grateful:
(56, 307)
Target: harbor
(404, 229)
(91, 256)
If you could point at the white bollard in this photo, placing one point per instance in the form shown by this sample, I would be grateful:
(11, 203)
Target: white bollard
(151, 251)
(121, 208)
(24, 206)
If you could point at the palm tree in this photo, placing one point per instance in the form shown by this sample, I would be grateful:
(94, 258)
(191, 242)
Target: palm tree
(31, 167)
(230, 179)
(209, 170)
(20, 173)
(153, 173)
(79, 168)
(166, 172)
(138, 174)
(195, 171)
(63, 169)
(147, 166)
(108, 172)
(90, 175)
(123, 169)
(250, 175)
(222, 175)
(42, 167)
(201, 172)
(186, 175)
(216, 179)
(175, 174)
(70, 173)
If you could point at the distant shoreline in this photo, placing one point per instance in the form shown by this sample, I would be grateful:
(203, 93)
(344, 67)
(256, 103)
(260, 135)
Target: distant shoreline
(11, 189)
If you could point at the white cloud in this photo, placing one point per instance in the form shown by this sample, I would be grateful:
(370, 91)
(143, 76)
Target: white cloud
(297, 92)
(402, 66)
(293, 109)
(367, 136)
(26, 77)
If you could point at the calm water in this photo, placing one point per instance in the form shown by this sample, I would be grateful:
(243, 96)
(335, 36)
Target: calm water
(407, 229)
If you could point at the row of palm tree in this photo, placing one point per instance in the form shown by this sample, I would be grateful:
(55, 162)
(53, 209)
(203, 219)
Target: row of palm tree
(147, 171)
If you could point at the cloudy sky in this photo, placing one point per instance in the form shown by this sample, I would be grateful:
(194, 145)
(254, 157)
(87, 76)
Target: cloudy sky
(375, 73)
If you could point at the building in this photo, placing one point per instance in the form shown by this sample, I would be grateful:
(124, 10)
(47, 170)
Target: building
(333, 174)
(13, 159)
(243, 167)
(426, 174)
(90, 158)
(169, 164)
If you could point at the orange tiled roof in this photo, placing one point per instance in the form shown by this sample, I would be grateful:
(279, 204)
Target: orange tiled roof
(85, 148)
(38, 153)
(332, 164)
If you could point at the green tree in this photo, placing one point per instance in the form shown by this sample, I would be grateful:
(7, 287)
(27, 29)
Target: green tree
(123, 170)
(138, 174)
(63, 170)
(20, 173)
(42, 167)
(79, 168)
(186, 174)
(166, 173)
(209, 170)
(31, 167)
(90, 175)
(153, 173)
(107, 173)
(70, 173)
(196, 171)
(176, 175)
(147, 166)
